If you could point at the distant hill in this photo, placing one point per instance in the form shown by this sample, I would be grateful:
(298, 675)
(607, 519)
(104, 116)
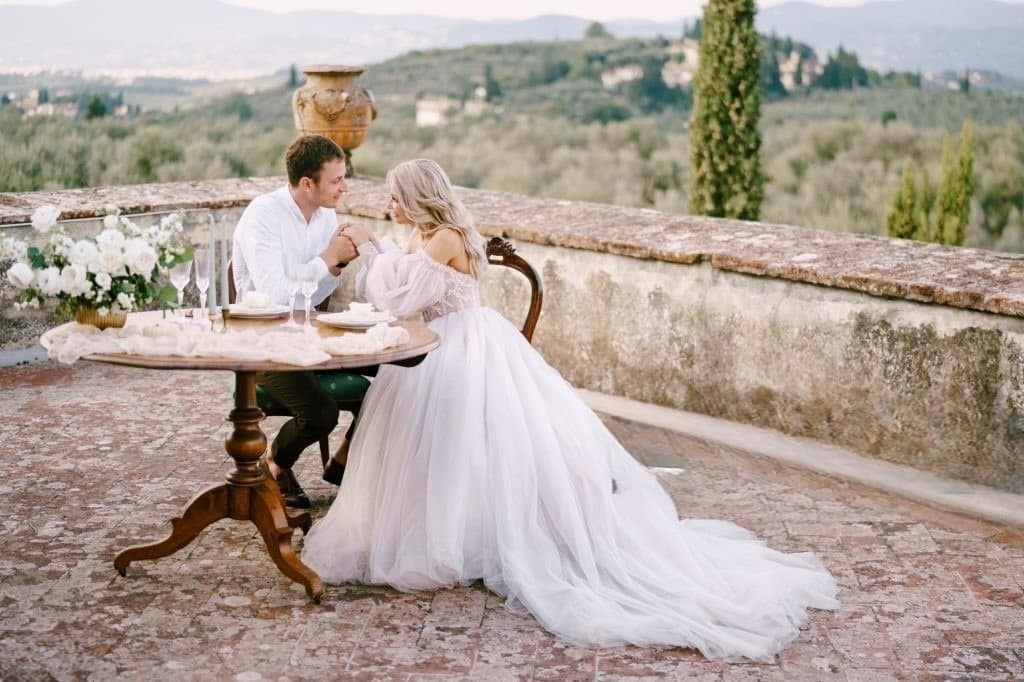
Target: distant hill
(197, 38)
(209, 38)
(927, 35)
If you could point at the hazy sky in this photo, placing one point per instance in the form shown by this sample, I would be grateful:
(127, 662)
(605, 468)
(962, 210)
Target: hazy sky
(662, 10)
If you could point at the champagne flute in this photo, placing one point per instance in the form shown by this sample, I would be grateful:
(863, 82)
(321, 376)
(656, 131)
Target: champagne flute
(308, 282)
(180, 275)
(291, 273)
(202, 261)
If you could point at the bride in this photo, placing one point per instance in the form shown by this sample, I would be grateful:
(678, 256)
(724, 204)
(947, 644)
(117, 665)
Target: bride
(482, 463)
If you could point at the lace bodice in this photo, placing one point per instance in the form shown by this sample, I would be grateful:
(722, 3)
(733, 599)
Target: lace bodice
(461, 291)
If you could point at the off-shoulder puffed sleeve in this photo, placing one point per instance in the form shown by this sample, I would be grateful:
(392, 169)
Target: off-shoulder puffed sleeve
(402, 283)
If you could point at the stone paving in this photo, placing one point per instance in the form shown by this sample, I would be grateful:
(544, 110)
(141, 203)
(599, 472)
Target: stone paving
(96, 457)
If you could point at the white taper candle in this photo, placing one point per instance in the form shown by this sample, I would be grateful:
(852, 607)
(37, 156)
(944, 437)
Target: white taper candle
(225, 251)
(211, 297)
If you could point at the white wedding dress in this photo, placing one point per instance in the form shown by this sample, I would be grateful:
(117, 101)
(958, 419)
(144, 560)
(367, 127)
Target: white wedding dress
(483, 463)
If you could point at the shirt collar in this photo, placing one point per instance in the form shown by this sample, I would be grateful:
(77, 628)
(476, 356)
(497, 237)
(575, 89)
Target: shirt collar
(288, 201)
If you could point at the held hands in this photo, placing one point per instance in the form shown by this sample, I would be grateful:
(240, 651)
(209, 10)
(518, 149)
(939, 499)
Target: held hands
(359, 234)
(340, 250)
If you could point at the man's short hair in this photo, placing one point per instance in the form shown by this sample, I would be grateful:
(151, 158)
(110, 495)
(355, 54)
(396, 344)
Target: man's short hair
(307, 155)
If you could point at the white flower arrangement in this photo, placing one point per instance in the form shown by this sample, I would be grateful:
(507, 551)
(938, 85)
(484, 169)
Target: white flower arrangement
(117, 271)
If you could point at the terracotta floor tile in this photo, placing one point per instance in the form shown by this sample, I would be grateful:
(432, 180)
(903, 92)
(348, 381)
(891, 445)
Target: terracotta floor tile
(925, 594)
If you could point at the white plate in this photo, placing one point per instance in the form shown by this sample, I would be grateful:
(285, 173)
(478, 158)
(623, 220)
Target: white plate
(242, 311)
(345, 321)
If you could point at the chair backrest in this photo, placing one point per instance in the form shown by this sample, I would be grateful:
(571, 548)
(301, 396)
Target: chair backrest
(501, 252)
(233, 293)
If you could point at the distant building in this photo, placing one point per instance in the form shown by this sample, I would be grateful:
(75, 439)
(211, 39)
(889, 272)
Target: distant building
(439, 111)
(809, 68)
(678, 74)
(65, 109)
(435, 111)
(621, 74)
(688, 49)
(681, 69)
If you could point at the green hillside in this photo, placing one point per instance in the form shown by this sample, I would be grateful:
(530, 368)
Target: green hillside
(548, 127)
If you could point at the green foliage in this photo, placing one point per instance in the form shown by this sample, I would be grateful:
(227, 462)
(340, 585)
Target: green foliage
(842, 71)
(725, 161)
(597, 31)
(491, 85)
(902, 221)
(651, 92)
(237, 105)
(910, 213)
(96, 108)
(953, 200)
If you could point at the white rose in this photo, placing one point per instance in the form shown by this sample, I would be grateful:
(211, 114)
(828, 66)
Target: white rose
(111, 238)
(84, 253)
(102, 280)
(124, 301)
(73, 280)
(112, 261)
(62, 244)
(139, 256)
(171, 222)
(129, 227)
(12, 249)
(44, 218)
(111, 222)
(49, 281)
(20, 275)
(160, 236)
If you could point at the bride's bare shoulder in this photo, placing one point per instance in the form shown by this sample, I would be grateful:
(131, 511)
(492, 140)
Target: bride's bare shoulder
(445, 246)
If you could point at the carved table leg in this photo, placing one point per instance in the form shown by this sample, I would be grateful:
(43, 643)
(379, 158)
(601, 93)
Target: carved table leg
(268, 513)
(205, 508)
(247, 496)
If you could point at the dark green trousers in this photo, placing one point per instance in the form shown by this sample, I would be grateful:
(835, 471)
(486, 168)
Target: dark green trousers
(316, 413)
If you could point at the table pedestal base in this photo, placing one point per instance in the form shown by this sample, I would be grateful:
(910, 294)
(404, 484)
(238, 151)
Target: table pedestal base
(261, 504)
(247, 495)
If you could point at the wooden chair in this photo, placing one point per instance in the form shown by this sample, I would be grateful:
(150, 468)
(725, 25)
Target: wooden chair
(346, 388)
(501, 252)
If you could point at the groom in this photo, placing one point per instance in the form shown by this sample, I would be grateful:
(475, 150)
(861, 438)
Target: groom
(296, 224)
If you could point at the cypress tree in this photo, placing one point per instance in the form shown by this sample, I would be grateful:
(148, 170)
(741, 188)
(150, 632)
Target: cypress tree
(953, 201)
(902, 219)
(726, 142)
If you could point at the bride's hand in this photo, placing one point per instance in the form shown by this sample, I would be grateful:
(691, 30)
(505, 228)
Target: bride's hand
(359, 234)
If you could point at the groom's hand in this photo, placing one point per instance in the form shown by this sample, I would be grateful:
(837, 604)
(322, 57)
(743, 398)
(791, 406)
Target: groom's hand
(340, 250)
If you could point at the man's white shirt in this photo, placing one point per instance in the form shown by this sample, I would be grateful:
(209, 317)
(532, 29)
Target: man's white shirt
(271, 231)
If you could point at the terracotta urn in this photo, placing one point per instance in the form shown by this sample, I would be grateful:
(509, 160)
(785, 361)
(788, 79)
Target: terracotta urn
(333, 104)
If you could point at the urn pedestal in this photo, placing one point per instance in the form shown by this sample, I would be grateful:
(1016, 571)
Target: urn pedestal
(332, 103)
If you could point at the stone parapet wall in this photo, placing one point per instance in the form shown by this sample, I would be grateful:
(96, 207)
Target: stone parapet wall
(904, 351)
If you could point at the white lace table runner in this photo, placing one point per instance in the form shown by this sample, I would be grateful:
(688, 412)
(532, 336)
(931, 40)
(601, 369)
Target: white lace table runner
(70, 342)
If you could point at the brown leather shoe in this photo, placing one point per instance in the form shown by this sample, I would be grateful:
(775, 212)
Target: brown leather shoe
(291, 491)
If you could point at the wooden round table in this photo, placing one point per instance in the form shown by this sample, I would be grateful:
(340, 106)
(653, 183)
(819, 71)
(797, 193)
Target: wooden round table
(247, 494)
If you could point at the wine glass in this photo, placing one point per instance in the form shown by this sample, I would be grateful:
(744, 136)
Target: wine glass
(291, 274)
(308, 281)
(180, 274)
(202, 261)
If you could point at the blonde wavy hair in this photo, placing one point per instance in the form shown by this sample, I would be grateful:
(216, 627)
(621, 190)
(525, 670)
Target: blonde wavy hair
(423, 190)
